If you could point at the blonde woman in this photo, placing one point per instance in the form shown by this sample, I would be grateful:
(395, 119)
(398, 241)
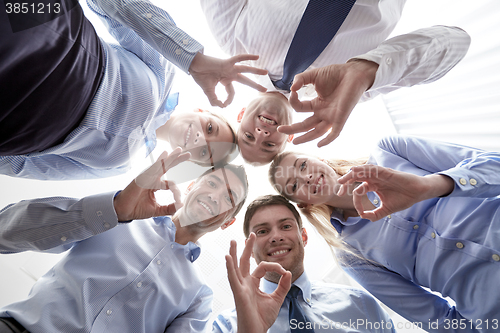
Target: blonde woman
(437, 225)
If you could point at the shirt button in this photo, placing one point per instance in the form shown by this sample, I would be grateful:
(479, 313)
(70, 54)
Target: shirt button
(496, 257)
(149, 15)
(460, 245)
(106, 225)
(109, 312)
(388, 61)
(415, 226)
(185, 42)
(472, 181)
(389, 216)
(375, 201)
(433, 235)
(171, 246)
(99, 213)
(63, 238)
(308, 300)
(462, 181)
(139, 284)
(178, 51)
(158, 262)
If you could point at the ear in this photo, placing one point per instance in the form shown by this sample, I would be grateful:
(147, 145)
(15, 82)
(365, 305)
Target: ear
(227, 223)
(199, 110)
(190, 186)
(240, 115)
(290, 138)
(304, 236)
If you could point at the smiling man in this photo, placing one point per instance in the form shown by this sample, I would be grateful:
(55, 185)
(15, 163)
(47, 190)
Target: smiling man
(121, 275)
(327, 307)
(258, 137)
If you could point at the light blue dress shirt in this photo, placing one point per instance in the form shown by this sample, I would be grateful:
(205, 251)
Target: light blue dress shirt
(328, 307)
(131, 102)
(450, 245)
(133, 278)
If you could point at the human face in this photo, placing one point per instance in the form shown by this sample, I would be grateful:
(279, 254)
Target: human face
(212, 200)
(208, 138)
(306, 180)
(258, 138)
(278, 239)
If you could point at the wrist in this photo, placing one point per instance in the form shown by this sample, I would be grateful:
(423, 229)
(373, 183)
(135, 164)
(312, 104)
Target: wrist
(118, 209)
(366, 71)
(439, 185)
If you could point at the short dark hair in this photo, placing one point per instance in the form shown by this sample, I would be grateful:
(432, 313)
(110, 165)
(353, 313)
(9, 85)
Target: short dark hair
(239, 171)
(268, 200)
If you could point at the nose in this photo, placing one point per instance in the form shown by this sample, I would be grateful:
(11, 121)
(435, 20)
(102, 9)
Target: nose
(276, 236)
(214, 198)
(261, 132)
(199, 138)
(307, 179)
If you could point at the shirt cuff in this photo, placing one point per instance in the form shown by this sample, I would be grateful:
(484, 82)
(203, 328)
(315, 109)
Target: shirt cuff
(99, 212)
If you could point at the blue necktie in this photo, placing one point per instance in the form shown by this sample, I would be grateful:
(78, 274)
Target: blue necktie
(319, 24)
(296, 316)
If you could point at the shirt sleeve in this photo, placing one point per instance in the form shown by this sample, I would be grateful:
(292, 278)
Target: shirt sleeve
(430, 312)
(126, 19)
(196, 317)
(422, 56)
(226, 322)
(476, 173)
(54, 223)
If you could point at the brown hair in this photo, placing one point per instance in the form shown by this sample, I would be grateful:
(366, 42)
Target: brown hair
(265, 201)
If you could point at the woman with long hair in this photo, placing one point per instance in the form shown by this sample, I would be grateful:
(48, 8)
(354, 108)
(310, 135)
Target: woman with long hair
(435, 209)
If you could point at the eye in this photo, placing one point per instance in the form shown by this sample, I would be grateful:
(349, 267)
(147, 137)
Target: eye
(211, 184)
(203, 152)
(287, 226)
(248, 136)
(270, 144)
(302, 166)
(294, 187)
(228, 199)
(260, 232)
(209, 128)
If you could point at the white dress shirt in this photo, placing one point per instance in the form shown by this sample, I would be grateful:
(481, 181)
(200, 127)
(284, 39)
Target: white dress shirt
(267, 28)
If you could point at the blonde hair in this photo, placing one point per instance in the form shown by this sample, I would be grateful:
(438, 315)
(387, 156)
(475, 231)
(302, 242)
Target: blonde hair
(319, 215)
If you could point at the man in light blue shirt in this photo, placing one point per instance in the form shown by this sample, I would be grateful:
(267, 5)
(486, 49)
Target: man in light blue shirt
(127, 99)
(280, 239)
(119, 276)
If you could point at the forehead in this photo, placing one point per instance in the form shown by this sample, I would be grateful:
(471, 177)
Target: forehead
(227, 178)
(271, 215)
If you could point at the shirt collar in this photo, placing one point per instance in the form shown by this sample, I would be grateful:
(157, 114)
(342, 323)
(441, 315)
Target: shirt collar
(191, 250)
(303, 283)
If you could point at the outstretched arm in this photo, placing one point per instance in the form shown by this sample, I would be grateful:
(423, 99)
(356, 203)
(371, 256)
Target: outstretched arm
(155, 26)
(255, 309)
(57, 223)
(422, 56)
(397, 190)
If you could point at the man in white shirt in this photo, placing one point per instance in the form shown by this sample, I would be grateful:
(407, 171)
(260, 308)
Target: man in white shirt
(357, 64)
(280, 239)
(121, 275)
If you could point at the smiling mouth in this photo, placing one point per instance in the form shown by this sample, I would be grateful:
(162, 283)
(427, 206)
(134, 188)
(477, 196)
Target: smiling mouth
(268, 121)
(319, 183)
(188, 134)
(207, 207)
(277, 253)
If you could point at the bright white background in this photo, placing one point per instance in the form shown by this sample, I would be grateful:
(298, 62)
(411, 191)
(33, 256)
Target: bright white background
(466, 100)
